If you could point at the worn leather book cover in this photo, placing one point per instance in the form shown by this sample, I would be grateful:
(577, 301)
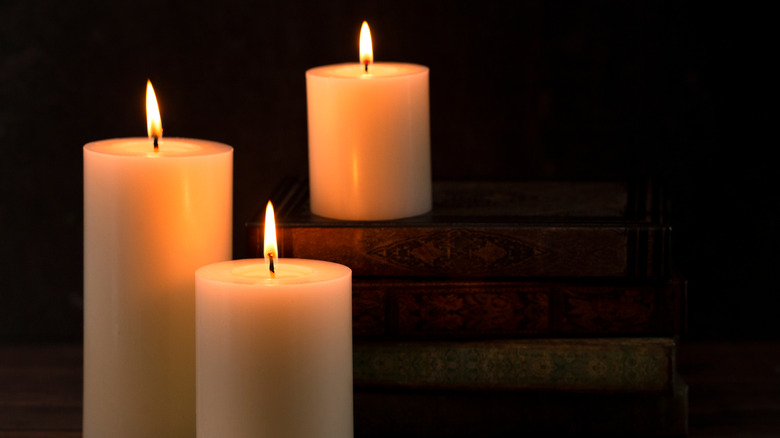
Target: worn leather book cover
(464, 413)
(418, 309)
(510, 229)
(582, 364)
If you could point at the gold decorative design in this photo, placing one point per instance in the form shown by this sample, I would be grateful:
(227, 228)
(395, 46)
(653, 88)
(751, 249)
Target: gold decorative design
(470, 251)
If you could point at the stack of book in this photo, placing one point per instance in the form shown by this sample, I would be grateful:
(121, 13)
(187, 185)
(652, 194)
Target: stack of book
(511, 307)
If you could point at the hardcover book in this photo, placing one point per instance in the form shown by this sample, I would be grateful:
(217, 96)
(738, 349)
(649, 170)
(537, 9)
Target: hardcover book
(412, 309)
(587, 364)
(463, 413)
(510, 229)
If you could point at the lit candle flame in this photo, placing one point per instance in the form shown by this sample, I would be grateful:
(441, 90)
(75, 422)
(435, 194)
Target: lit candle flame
(153, 120)
(270, 250)
(366, 48)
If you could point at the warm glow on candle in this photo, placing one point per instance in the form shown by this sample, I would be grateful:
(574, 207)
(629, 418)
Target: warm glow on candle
(153, 120)
(369, 138)
(366, 48)
(270, 251)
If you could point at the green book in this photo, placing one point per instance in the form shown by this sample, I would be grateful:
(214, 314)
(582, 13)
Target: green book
(588, 364)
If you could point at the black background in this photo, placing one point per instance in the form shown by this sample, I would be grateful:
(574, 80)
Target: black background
(519, 90)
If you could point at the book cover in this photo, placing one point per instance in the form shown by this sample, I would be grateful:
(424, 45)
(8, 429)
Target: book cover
(583, 364)
(409, 309)
(463, 413)
(488, 229)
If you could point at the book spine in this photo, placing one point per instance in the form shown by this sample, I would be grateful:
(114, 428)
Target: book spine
(477, 252)
(412, 413)
(399, 309)
(593, 364)
(629, 241)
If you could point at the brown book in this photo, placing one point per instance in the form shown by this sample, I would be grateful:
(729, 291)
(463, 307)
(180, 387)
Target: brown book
(463, 413)
(557, 364)
(516, 229)
(410, 309)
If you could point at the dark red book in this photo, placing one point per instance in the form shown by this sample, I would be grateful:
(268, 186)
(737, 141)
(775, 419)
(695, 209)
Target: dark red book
(509, 230)
(398, 309)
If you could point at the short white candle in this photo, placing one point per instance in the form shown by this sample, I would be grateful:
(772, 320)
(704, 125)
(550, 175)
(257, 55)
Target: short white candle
(369, 140)
(274, 353)
(150, 220)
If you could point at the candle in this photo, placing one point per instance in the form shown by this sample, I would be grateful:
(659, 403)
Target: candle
(369, 139)
(274, 349)
(154, 211)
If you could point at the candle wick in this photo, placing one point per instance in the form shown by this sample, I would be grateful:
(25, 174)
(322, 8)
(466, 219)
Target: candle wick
(156, 146)
(271, 267)
(366, 65)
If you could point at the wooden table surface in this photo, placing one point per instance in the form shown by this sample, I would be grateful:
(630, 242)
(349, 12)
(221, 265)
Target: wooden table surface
(734, 389)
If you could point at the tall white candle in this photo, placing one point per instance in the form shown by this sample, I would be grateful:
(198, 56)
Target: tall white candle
(150, 220)
(369, 140)
(274, 351)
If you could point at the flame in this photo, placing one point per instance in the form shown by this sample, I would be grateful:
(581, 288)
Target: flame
(153, 121)
(269, 241)
(366, 48)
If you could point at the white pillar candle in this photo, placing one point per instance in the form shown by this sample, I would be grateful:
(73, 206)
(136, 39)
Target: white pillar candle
(369, 140)
(274, 347)
(150, 220)
(274, 355)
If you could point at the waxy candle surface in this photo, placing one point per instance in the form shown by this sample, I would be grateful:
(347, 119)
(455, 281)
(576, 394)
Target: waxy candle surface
(274, 355)
(369, 141)
(150, 220)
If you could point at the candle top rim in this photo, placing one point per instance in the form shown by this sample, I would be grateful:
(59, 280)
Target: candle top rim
(317, 271)
(377, 70)
(170, 147)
